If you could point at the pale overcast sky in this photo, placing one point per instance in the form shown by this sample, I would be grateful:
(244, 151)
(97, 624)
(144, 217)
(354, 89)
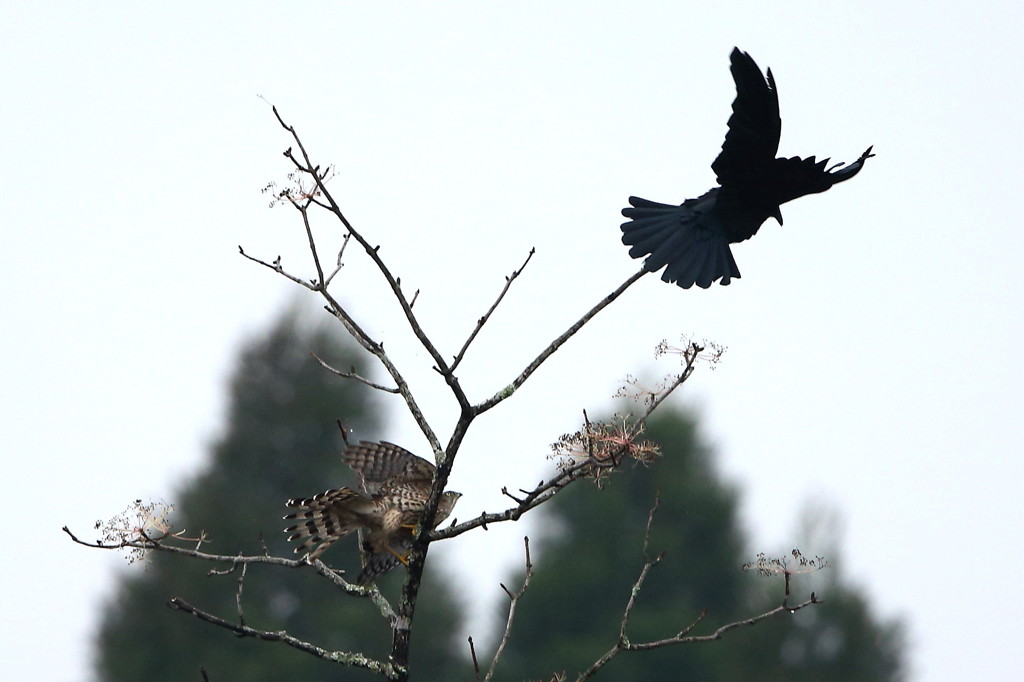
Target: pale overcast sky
(873, 341)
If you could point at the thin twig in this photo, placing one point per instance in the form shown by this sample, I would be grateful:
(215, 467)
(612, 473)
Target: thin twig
(717, 634)
(335, 308)
(683, 637)
(555, 345)
(476, 664)
(304, 210)
(343, 430)
(483, 320)
(513, 600)
(238, 595)
(353, 375)
(338, 264)
(276, 267)
(623, 642)
(377, 350)
(147, 543)
(306, 166)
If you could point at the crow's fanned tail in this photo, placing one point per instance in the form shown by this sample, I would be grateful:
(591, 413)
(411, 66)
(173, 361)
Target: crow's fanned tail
(682, 239)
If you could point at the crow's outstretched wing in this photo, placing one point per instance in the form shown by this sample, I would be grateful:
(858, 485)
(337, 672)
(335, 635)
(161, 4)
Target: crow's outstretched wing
(794, 177)
(754, 127)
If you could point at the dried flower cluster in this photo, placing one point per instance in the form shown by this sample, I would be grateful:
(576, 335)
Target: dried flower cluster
(604, 445)
(705, 351)
(140, 527)
(140, 522)
(786, 565)
(299, 190)
(689, 354)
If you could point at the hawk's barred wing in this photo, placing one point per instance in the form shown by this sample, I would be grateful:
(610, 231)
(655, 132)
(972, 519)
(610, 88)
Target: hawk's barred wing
(378, 463)
(397, 484)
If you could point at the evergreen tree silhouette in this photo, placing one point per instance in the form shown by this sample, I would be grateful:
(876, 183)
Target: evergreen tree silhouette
(583, 574)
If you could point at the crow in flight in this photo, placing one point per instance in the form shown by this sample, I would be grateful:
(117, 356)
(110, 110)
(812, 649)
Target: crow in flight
(691, 241)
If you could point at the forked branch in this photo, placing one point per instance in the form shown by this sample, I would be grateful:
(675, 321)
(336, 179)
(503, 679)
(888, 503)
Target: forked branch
(555, 345)
(486, 316)
(684, 636)
(514, 598)
(305, 165)
(594, 461)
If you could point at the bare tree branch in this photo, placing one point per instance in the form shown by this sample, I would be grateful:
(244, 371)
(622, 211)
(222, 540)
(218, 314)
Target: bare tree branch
(483, 320)
(555, 345)
(649, 563)
(534, 498)
(238, 594)
(545, 490)
(683, 637)
(304, 211)
(338, 263)
(356, 660)
(237, 560)
(279, 269)
(604, 450)
(308, 197)
(513, 600)
(353, 375)
(476, 664)
(306, 166)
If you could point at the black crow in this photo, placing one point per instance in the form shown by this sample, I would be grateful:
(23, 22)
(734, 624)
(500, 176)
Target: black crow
(691, 241)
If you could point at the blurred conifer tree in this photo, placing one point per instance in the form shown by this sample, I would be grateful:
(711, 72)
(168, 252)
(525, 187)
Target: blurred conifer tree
(583, 573)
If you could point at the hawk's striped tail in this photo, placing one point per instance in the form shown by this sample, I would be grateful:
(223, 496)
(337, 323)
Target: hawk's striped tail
(323, 519)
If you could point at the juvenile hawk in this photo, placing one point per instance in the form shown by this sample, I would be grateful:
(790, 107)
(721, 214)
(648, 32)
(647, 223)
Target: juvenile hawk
(396, 484)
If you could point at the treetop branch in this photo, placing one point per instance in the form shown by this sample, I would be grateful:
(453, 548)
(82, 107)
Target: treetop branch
(306, 166)
(555, 345)
(486, 316)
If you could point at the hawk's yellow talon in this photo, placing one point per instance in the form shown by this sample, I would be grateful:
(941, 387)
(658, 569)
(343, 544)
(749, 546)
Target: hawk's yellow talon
(403, 559)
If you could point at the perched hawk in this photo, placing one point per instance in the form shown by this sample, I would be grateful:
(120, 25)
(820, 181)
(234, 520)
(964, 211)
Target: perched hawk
(396, 484)
(691, 241)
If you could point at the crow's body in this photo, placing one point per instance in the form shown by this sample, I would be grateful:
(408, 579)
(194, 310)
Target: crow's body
(691, 240)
